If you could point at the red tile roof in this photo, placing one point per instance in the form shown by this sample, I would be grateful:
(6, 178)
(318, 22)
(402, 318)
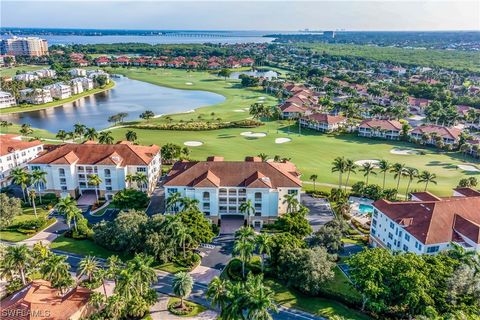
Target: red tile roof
(234, 174)
(292, 107)
(382, 124)
(10, 143)
(123, 154)
(325, 118)
(444, 132)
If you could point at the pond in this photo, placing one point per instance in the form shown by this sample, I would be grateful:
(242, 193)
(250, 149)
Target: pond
(265, 74)
(130, 96)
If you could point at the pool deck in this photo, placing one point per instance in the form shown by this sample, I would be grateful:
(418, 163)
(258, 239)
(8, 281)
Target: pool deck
(355, 211)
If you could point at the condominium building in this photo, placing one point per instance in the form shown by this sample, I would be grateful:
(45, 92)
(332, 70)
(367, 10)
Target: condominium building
(427, 223)
(14, 152)
(35, 96)
(69, 166)
(78, 72)
(375, 128)
(76, 85)
(6, 100)
(45, 73)
(59, 90)
(323, 122)
(27, 77)
(222, 186)
(29, 46)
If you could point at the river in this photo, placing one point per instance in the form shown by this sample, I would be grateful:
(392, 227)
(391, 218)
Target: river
(130, 96)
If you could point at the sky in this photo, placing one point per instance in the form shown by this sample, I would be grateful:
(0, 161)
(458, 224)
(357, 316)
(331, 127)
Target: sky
(292, 15)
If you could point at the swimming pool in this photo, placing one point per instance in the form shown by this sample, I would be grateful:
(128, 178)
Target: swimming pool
(365, 208)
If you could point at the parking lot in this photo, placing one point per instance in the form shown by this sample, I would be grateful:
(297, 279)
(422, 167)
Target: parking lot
(320, 211)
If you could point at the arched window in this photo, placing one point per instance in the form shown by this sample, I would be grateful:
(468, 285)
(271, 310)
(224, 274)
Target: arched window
(206, 196)
(61, 171)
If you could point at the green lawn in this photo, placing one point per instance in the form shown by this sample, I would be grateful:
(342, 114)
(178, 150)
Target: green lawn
(11, 71)
(84, 247)
(28, 214)
(196, 308)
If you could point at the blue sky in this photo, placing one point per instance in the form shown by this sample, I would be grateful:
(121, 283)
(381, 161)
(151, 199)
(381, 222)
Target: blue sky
(245, 15)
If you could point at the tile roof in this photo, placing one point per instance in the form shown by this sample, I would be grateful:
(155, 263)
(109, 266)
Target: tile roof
(123, 153)
(10, 143)
(325, 118)
(444, 132)
(292, 107)
(255, 174)
(382, 124)
(436, 221)
(45, 301)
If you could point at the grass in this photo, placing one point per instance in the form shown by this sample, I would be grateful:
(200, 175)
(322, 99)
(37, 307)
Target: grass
(11, 71)
(171, 267)
(55, 103)
(85, 248)
(28, 214)
(37, 133)
(196, 308)
(102, 211)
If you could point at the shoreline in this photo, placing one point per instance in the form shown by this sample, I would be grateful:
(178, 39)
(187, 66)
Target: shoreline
(58, 103)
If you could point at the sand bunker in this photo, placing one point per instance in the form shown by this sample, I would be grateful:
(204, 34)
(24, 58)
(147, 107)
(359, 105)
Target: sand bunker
(282, 140)
(193, 143)
(251, 134)
(404, 152)
(261, 98)
(466, 167)
(362, 162)
(188, 83)
(238, 110)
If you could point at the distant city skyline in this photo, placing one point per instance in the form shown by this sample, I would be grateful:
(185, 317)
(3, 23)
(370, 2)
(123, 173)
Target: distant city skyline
(353, 15)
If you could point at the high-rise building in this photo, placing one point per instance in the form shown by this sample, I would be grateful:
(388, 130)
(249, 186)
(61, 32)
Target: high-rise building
(30, 46)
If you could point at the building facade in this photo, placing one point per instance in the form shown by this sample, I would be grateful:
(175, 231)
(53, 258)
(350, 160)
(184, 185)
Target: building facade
(59, 90)
(29, 46)
(6, 100)
(222, 186)
(35, 96)
(376, 128)
(69, 166)
(323, 122)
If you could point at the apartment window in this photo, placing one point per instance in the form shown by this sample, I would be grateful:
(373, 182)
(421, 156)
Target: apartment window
(374, 222)
(81, 176)
(292, 191)
(24, 154)
(373, 231)
(141, 169)
(108, 188)
(172, 190)
(258, 196)
(61, 172)
(392, 225)
(206, 196)
(405, 247)
(107, 172)
(9, 158)
(390, 235)
(83, 185)
(35, 167)
(63, 188)
(389, 246)
(375, 213)
(63, 181)
(206, 205)
(407, 237)
(207, 213)
(433, 249)
(81, 168)
(108, 181)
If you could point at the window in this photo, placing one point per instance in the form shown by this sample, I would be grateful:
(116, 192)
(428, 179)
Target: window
(83, 185)
(108, 181)
(81, 168)
(374, 222)
(35, 167)
(292, 191)
(392, 225)
(64, 188)
(373, 231)
(207, 213)
(107, 172)
(407, 237)
(141, 169)
(206, 196)
(108, 188)
(206, 205)
(375, 213)
(389, 246)
(61, 172)
(433, 249)
(172, 190)
(63, 181)
(390, 235)
(405, 247)
(258, 196)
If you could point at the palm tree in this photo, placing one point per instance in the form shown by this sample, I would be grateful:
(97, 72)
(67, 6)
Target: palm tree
(314, 178)
(339, 166)
(427, 177)
(88, 266)
(182, 286)
(62, 135)
(95, 181)
(26, 130)
(96, 300)
(182, 234)
(264, 245)
(21, 178)
(56, 270)
(141, 179)
(189, 203)
(143, 273)
(32, 195)
(384, 166)
(247, 208)
(129, 179)
(217, 292)
(292, 202)
(131, 135)
(398, 169)
(263, 156)
(113, 268)
(67, 206)
(18, 258)
(244, 249)
(368, 169)
(411, 173)
(91, 134)
(39, 177)
(350, 167)
(105, 137)
(172, 201)
(79, 129)
(261, 301)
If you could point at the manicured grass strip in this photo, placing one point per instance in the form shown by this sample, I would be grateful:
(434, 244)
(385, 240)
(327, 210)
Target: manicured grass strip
(84, 247)
(11, 71)
(171, 267)
(28, 214)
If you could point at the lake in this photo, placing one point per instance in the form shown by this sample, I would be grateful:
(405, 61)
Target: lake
(130, 96)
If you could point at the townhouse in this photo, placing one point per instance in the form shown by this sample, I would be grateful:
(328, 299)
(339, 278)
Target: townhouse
(377, 128)
(69, 166)
(431, 134)
(45, 73)
(35, 96)
(76, 86)
(14, 152)
(428, 224)
(76, 72)
(322, 122)
(27, 77)
(222, 186)
(6, 100)
(59, 90)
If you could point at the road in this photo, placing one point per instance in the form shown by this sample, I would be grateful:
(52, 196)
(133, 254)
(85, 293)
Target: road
(198, 295)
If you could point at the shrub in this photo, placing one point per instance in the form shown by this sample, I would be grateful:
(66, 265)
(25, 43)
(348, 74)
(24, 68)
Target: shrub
(174, 307)
(199, 125)
(130, 199)
(190, 261)
(13, 286)
(234, 269)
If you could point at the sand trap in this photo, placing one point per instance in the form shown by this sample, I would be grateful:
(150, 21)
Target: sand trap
(188, 83)
(261, 98)
(251, 134)
(466, 167)
(282, 140)
(361, 162)
(238, 110)
(404, 152)
(193, 143)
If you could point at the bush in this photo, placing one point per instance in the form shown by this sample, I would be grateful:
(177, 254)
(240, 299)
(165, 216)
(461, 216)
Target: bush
(200, 125)
(130, 199)
(190, 261)
(13, 286)
(30, 226)
(174, 308)
(234, 269)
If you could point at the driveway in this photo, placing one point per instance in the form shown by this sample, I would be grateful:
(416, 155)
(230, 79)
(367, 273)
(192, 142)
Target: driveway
(157, 202)
(88, 198)
(217, 254)
(231, 223)
(320, 211)
(48, 235)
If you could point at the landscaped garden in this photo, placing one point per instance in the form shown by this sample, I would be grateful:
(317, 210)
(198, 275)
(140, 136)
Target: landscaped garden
(26, 225)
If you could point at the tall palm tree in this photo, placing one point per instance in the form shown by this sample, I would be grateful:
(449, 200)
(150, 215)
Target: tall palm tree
(247, 208)
(79, 129)
(129, 179)
(314, 178)
(105, 137)
(182, 286)
(183, 235)
(96, 300)
(32, 195)
(189, 203)
(398, 169)
(131, 135)
(217, 292)
(88, 266)
(113, 267)
(350, 167)
(143, 273)
(427, 177)
(264, 245)
(57, 271)
(21, 178)
(339, 166)
(384, 166)
(368, 169)
(141, 179)
(67, 206)
(291, 201)
(244, 249)
(411, 173)
(263, 156)
(91, 134)
(95, 180)
(261, 299)
(172, 201)
(39, 177)
(19, 258)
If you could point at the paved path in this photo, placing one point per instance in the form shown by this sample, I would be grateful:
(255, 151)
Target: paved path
(47, 235)
(159, 311)
(157, 202)
(320, 212)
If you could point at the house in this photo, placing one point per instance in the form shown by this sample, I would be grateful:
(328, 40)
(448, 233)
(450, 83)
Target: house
(39, 300)
(76, 72)
(417, 105)
(102, 61)
(6, 100)
(27, 77)
(92, 74)
(69, 165)
(121, 61)
(430, 134)
(76, 85)
(322, 122)
(427, 223)
(14, 152)
(45, 73)
(377, 128)
(87, 84)
(222, 186)
(247, 62)
(35, 96)
(156, 63)
(291, 110)
(59, 90)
